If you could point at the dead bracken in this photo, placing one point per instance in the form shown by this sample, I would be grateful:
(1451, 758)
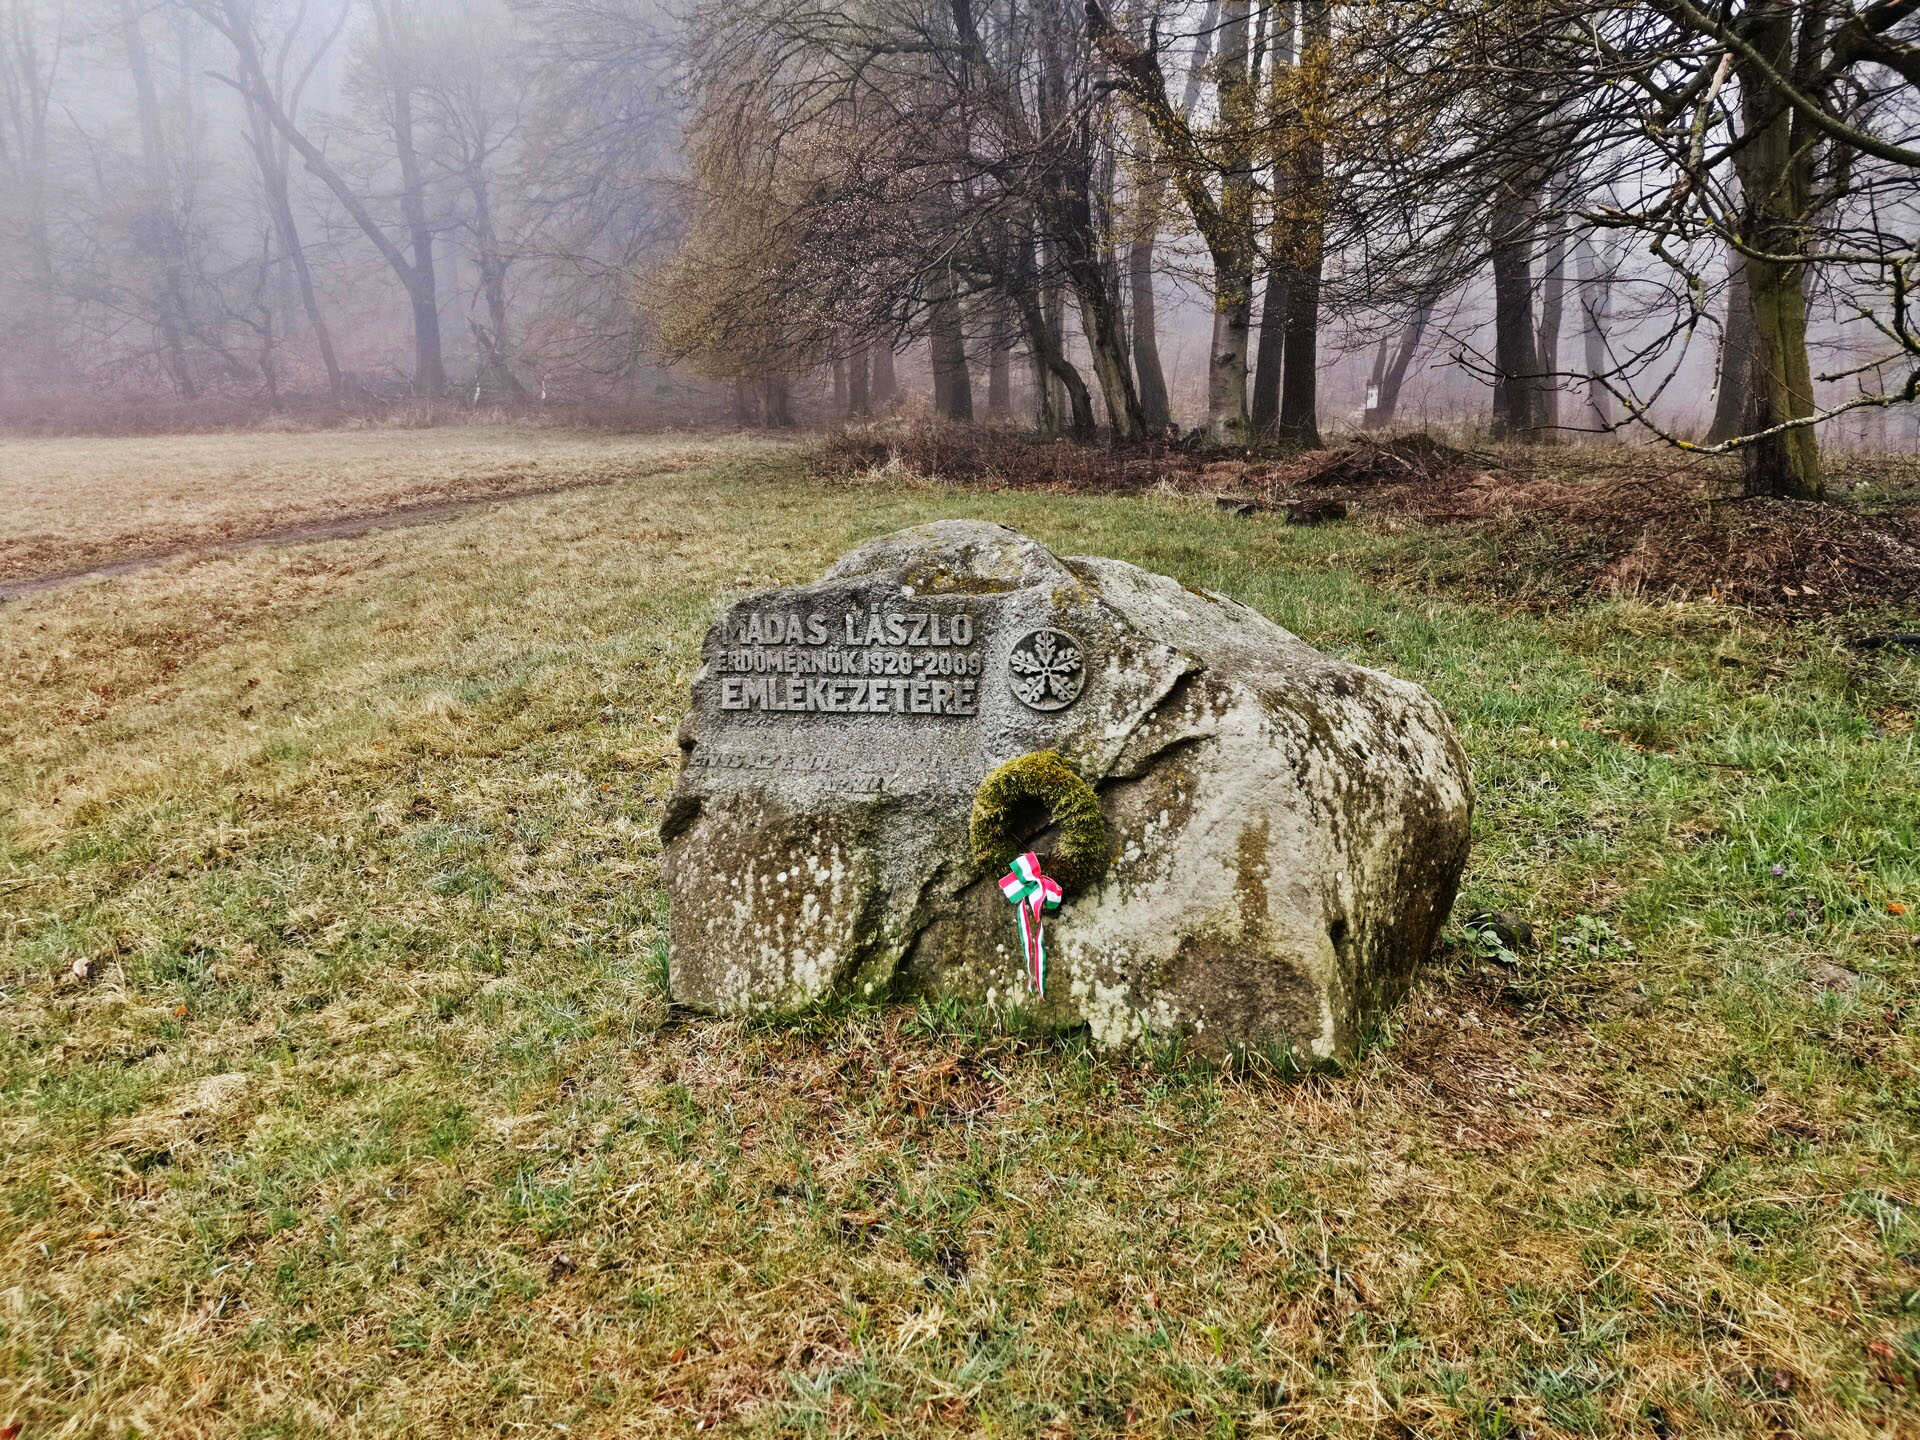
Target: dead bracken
(1641, 526)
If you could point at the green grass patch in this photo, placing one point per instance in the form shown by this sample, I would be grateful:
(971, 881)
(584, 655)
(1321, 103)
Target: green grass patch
(341, 1094)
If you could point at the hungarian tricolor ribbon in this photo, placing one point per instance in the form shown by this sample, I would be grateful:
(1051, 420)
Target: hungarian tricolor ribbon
(1032, 895)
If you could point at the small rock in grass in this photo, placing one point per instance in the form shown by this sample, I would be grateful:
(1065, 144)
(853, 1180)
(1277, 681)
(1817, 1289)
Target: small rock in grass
(1315, 512)
(82, 968)
(1826, 975)
(1506, 927)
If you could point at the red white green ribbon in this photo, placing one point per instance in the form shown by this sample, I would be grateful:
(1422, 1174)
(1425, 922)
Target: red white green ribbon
(1032, 895)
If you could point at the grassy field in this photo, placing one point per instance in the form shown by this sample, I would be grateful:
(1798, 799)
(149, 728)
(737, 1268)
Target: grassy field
(340, 1095)
(80, 501)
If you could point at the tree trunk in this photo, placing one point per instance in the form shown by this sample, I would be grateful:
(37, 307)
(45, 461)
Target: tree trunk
(1156, 406)
(38, 353)
(952, 385)
(1376, 377)
(1000, 365)
(778, 402)
(1553, 298)
(493, 264)
(839, 388)
(1307, 191)
(1300, 386)
(234, 21)
(1786, 463)
(1046, 418)
(886, 384)
(1271, 354)
(1111, 283)
(1733, 392)
(1775, 169)
(1032, 314)
(1056, 318)
(1390, 372)
(1099, 303)
(1079, 250)
(1596, 301)
(742, 403)
(859, 397)
(999, 384)
(1051, 367)
(1516, 351)
(270, 158)
(156, 230)
(429, 368)
(1101, 324)
(1232, 246)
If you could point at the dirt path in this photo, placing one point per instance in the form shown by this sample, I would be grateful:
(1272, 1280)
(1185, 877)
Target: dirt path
(344, 527)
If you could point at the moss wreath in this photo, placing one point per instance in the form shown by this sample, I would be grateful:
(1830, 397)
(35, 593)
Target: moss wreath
(1044, 782)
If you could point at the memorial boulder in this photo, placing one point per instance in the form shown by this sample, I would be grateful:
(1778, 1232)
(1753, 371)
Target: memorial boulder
(1259, 842)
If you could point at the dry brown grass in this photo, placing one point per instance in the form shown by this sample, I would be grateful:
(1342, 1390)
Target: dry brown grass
(71, 503)
(1546, 522)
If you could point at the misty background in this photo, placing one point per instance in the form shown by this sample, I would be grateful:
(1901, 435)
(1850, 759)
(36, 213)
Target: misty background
(221, 211)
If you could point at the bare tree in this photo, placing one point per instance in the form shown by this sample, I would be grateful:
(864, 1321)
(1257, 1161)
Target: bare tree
(272, 157)
(1149, 205)
(1216, 182)
(476, 98)
(1391, 357)
(155, 224)
(1776, 128)
(391, 79)
(32, 44)
(1596, 305)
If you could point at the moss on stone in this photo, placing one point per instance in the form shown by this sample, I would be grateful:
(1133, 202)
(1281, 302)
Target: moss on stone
(1041, 783)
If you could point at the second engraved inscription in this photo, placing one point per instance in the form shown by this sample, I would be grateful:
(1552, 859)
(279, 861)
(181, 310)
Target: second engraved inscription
(855, 662)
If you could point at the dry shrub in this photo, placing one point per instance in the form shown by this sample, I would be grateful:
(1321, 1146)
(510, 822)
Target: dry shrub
(988, 457)
(1400, 460)
(1790, 556)
(995, 458)
(1662, 536)
(1645, 530)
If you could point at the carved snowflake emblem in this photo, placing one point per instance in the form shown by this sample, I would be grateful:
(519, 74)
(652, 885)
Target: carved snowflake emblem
(1047, 670)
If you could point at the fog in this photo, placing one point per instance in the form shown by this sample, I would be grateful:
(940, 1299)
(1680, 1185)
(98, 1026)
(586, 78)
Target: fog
(222, 211)
(163, 240)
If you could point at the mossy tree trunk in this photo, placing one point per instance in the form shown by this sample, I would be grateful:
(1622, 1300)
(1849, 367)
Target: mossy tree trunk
(1231, 240)
(1300, 379)
(1775, 165)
